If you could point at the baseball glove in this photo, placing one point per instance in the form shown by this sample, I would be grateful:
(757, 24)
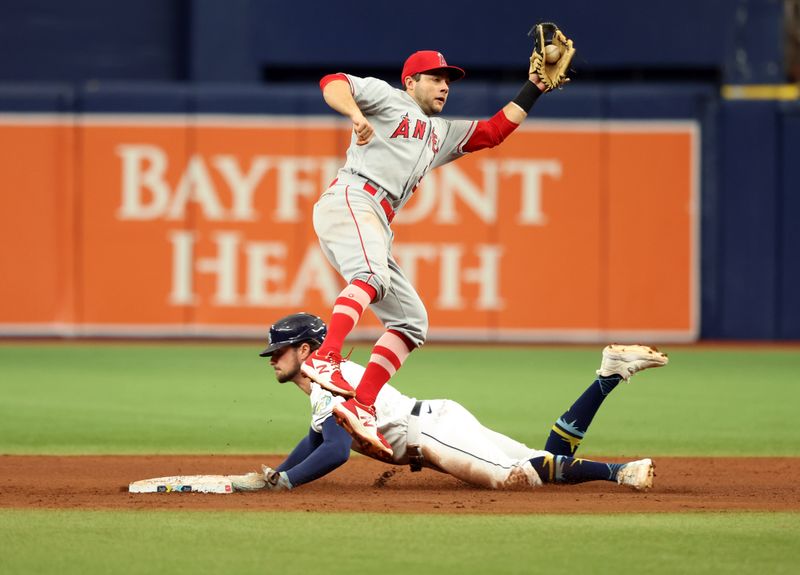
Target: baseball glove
(553, 73)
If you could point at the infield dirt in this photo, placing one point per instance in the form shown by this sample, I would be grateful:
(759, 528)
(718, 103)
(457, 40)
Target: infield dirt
(682, 484)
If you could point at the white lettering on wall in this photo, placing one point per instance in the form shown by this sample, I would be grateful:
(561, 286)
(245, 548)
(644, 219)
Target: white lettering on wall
(315, 274)
(196, 186)
(292, 185)
(224, 266)
(247, 273)
(266, 269)
(242, 186)
(487, 276)
(230, 196)
(443, 190)
(453, 274)
(532, 173)
(182, 292)
(266, 282)
(145, 194)
(481, 199)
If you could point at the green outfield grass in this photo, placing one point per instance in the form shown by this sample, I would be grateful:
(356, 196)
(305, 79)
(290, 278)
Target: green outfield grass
(222, 398)
(198, 542)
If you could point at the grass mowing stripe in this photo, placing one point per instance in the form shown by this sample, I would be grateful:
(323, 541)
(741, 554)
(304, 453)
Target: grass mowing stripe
(222, 398)
(258, 542)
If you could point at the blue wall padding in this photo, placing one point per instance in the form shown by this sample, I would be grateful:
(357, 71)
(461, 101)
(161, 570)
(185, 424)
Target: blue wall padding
(582, 103)
(36, 98)
(472, 99)
(253, 99)
(710, 225)
(220, 42)
(748, 212)
(148, 98)
(673, 101)
(235, 40)
(757, 37)
(614, 33)
(53, 40)
(789, 297)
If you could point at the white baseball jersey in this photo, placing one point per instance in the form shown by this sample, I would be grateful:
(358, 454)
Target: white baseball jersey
(406, 144)
(451, 439)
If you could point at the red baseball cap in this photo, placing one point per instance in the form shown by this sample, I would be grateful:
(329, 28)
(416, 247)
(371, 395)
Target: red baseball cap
(427, 61)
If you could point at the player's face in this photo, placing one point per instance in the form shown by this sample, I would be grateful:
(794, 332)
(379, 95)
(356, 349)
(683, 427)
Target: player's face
(286, 363)
(431, 91)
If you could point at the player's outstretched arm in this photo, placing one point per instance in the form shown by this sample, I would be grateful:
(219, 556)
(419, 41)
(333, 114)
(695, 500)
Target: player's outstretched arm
(277, 479)
(303, 449)
(514, 110)
(490, 133)
(336, 92)
(331, 452)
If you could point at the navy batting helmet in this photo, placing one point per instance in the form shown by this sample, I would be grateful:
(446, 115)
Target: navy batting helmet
(295, 328)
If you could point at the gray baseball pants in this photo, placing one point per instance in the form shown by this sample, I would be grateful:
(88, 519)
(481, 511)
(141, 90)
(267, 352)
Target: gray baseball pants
(355, 237)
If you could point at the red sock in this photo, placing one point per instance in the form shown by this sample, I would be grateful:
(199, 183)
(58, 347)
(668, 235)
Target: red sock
(388, 355)
(347, 310)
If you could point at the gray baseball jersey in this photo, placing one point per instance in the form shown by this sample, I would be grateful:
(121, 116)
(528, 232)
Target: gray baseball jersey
(352, 218)
(407, 143)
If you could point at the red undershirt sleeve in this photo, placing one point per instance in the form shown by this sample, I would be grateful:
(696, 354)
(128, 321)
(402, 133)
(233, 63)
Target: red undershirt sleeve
(330, 78)
(489, 133)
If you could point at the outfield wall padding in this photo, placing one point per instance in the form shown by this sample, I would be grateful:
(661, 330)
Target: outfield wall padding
(60, 142)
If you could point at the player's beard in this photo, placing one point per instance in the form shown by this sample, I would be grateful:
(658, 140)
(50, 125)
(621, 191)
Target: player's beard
(288, 375)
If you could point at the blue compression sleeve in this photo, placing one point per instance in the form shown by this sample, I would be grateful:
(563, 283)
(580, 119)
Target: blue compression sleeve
(302, 450)
(327, 456)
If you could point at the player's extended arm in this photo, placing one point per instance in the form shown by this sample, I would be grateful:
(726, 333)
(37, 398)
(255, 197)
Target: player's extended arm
(317, 454)
(490, 133)
(336, 92)
(303, 449)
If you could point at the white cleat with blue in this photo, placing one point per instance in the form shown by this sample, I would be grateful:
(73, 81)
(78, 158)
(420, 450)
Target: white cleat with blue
(625, 360)
(637, 474)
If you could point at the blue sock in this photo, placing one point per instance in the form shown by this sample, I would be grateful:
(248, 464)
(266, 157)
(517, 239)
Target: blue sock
(564, 469)
(568, 431)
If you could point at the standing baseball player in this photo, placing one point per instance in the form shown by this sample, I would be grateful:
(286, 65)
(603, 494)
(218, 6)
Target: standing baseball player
(397, 139)
(441, 434)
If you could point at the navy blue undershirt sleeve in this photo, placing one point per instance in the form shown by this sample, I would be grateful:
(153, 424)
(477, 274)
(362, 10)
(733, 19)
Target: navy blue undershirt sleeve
(322, 457)
(302, 450)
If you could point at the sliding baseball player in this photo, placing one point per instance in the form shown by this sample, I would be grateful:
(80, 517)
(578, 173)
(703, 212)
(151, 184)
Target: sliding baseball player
(441, 434)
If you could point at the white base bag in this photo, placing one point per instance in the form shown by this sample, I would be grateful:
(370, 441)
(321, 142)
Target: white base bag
(183, 484)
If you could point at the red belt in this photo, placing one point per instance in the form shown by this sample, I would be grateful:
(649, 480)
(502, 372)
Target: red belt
(372, 190)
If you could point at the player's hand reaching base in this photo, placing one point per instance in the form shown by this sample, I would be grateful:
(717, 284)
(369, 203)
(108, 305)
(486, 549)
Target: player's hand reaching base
(268, 479)
(276, 481)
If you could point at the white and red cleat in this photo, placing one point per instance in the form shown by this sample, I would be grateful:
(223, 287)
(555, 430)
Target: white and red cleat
(326, 371)
(359, 421)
